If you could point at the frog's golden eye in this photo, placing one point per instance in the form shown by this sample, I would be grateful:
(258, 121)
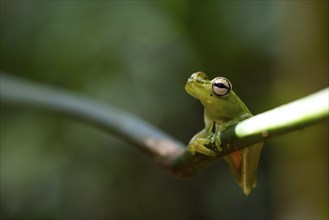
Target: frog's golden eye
(221, 86)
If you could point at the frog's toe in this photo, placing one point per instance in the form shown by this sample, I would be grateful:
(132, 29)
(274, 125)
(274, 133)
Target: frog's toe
(200, 148)
(218, 144)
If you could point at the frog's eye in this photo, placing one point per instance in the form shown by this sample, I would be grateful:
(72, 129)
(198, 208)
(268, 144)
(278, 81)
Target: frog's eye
(221, 86)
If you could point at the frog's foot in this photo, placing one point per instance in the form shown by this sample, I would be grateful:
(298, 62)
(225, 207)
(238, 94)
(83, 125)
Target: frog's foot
(198, 146)
(218, 143)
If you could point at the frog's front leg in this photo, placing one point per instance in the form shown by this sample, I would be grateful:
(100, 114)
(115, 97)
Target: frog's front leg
(218, 142)
(198, 142)
(217, 128)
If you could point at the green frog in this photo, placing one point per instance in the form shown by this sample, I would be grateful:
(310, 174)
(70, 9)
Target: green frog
(223, 108)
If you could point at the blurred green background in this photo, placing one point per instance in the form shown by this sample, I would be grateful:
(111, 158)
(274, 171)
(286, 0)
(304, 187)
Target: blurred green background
(137, 56)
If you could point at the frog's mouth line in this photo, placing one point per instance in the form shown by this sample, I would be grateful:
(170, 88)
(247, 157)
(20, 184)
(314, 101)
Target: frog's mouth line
(197, 90)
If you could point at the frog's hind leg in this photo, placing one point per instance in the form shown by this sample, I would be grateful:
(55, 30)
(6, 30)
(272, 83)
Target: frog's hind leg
(198, 142)
(244, 165)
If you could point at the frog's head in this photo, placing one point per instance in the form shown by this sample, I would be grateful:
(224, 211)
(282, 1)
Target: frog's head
(200, 87)
(216, 95)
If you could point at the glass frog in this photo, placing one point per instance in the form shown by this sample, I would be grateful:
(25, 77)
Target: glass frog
(223, 108)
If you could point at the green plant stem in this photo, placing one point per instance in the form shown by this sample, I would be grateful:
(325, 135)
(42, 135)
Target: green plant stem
(164, 149)
(284, 119)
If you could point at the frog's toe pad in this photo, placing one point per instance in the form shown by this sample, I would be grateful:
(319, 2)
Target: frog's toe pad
(200, 148)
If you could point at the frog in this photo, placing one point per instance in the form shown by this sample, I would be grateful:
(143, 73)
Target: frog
(223, 108)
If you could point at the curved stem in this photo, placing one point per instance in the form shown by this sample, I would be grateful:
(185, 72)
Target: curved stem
(163, 148)
(137, 132)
